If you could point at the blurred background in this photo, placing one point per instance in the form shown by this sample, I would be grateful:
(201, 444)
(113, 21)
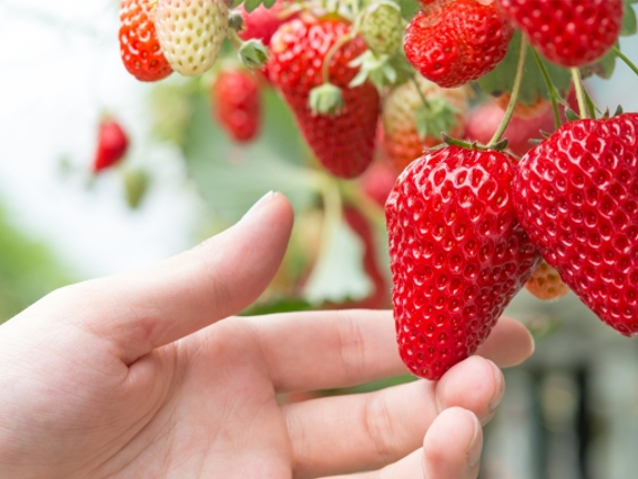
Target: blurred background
(569, 413)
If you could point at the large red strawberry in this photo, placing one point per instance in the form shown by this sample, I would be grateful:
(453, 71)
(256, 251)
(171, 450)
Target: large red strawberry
(139, 45)
(458, 254)
(343, 142)
(576, 194)
(457, 41)
(570, 33)
(112, 143)
(237, 103)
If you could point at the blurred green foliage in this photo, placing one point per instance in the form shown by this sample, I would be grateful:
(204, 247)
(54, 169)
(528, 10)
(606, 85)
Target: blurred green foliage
(28, 270)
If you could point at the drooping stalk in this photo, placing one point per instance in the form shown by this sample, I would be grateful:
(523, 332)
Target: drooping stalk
(516, 89)
(624, 58)
(577, 80)
(325, 71)
(550, 87)
(426, 103)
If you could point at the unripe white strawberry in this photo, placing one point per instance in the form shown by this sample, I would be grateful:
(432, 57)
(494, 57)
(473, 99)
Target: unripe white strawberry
(191, 33)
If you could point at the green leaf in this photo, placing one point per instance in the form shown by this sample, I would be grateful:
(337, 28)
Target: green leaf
(604, 68)
(338, 275)
(269, 3)
(251, 5)
(253, 53)
(629, 24)
(501, 79)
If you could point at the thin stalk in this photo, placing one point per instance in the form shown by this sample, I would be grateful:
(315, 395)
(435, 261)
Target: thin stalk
(624, 58)
(426, 103)
(550, 86)
(516, 89)
(325, 71)
(577, 80)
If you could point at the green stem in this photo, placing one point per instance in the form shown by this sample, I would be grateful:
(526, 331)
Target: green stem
(577, 80)
(426, 103)
(550, 87)
(624, 58)
(516, 89)
(232, 33)
(325, 71)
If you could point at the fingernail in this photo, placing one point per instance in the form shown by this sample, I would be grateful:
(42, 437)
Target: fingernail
(476, 445)
(267, 198)
(498, 395)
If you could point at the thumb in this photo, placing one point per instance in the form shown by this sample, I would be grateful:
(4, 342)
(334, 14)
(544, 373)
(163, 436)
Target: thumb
(145, 309)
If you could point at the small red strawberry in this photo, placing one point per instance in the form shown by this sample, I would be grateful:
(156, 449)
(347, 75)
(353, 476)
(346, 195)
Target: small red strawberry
(455, 42)
(538, 108)
(571, 33)
(343, 142)
(378, 181)
(112, 143)
(262, 23)
(576, 194)
(139, 46)
(545, 283)
(237, 103)
(458, 254)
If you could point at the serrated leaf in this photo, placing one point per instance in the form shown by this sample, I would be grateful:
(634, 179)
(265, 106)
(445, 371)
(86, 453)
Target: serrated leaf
(571, 115)
(604, 68)
(250, 5)
(501, 79)
(629, 24)
(338, 274)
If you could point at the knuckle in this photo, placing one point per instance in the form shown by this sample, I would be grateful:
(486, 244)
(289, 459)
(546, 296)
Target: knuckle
(378, 426)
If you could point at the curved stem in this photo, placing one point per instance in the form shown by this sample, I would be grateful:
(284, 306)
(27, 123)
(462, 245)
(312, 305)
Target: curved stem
(577, 80)
(516, 89)
(550, 87)
(426, 103)
(624, 58)
(325, 71)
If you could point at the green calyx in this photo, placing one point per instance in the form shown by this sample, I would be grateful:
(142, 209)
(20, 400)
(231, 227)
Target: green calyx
(434, 118)
(326, 99)
(253, 54)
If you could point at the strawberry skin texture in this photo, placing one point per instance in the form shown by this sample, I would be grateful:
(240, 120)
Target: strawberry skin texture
(571, 33)
(112, 144)
(139, 45)
(343, 143)
(458, 254)
(238, 104)
(577, 196)
(457, 41)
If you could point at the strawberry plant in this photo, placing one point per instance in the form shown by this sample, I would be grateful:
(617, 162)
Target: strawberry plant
(441, 155)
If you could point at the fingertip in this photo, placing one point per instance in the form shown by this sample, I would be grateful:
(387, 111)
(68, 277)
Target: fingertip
(475, 384)
(453, 444)
(509, 344)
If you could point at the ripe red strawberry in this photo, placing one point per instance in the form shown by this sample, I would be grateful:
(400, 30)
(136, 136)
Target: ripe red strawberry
(139, 46)
(112, 143)
(485, 119)
(576, 194)
(455, 42)
(538, 108)
(344, 142)
(545, 283)
(237, 104)
(458, 254)
(403, 143)
(571, 33)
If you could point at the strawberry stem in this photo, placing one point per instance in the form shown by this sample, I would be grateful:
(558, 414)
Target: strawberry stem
(624, 58)
(331, 53)
(516, 89)
(577, 80)
(553, 93)
(426, 103)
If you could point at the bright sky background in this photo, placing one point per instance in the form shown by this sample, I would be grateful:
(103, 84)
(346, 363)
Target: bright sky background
(59, 68)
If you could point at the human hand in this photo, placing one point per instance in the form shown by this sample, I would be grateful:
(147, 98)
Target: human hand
(134, 376)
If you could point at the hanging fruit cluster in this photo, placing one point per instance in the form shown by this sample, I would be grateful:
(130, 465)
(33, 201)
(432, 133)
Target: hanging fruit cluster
(477, 210)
